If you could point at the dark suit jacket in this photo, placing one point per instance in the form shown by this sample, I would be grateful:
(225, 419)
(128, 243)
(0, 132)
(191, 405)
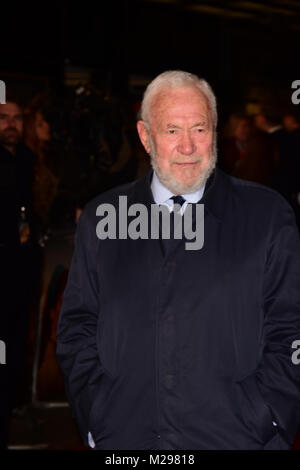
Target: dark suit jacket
(192, 350)
(16, 173)
(16, 178)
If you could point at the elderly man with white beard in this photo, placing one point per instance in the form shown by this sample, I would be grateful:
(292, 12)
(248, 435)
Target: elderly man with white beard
(168, 348)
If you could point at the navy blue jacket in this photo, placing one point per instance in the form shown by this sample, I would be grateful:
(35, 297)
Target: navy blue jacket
(192, 350)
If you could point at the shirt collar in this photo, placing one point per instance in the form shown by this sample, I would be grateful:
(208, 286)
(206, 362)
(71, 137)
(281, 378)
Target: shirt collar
(217, 192)
(161, 194)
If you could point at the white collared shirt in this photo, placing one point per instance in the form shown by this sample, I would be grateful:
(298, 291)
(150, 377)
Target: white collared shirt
(162, 195)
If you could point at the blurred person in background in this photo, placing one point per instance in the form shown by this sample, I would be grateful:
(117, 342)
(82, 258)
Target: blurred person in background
(16, 236)
(247, 153)
(283, 133)
(235, 142)
(291, 122)
(37, 135)
(269, 121)
(55, 178)
(58, 172)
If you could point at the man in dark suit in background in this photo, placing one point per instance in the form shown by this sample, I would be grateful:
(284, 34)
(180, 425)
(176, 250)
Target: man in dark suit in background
(165, 347)
(16, 263)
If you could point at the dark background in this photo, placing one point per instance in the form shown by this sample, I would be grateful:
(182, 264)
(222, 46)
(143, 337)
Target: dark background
(247, 50)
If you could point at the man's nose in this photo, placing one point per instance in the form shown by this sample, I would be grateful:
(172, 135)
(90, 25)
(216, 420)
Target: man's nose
(11, 122)
(186, 144)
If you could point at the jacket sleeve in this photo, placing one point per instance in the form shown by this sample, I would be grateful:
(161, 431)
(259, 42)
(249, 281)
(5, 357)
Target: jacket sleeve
(278, 376)
(77, 327)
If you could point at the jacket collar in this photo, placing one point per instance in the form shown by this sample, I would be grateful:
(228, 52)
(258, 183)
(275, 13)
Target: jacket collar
(215, 196)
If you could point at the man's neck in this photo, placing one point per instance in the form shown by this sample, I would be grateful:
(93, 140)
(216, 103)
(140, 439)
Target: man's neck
(162, 194)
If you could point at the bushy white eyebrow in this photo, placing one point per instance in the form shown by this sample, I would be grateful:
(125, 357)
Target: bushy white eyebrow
(198, 124)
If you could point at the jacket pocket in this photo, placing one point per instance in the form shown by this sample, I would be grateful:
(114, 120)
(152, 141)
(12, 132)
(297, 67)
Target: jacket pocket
(98, 408)
(255, 412)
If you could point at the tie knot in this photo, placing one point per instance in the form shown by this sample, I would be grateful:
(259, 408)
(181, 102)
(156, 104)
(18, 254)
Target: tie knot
(178, 200)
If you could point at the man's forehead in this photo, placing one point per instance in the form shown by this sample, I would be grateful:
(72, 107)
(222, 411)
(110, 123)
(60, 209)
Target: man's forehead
(178, 92)
(10, 108)
(179, 101)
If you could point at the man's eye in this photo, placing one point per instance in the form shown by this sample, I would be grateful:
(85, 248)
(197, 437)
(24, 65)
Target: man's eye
(171, 131)
(200, 130)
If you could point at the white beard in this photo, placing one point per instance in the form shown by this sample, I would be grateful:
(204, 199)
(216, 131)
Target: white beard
(172, 183)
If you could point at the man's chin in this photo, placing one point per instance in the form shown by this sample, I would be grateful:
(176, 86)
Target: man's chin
(177, 185)
(182, 187)
(13, 140)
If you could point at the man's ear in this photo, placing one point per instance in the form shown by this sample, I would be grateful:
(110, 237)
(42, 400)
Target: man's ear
(143, 135)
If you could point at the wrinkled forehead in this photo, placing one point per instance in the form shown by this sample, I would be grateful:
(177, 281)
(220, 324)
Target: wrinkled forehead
(168, 100)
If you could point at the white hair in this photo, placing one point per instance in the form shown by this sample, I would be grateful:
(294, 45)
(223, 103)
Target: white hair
(177, 79)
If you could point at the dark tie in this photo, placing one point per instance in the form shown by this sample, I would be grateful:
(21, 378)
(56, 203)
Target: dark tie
(167, 243)
(178, 200)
